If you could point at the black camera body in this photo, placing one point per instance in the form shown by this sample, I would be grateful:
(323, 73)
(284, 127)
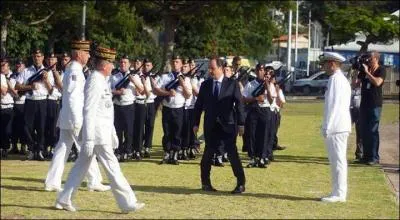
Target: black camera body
(358, 61)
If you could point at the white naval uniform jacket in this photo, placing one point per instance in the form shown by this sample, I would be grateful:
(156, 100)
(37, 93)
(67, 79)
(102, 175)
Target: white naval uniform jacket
(72, 97)
(337, 104)
(98, 111)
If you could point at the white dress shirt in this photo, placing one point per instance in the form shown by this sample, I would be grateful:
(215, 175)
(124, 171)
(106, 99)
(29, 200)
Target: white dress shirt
(129, 96)
(40, 93)
(177, 101)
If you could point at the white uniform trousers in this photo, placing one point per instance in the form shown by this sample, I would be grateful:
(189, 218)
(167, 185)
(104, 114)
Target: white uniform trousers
(120, 187)
(336, 145)
(60, 157)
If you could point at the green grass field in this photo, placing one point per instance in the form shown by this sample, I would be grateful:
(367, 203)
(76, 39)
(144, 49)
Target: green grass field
(289, 188)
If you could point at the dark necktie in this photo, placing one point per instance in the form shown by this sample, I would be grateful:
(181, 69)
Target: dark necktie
(216, 89)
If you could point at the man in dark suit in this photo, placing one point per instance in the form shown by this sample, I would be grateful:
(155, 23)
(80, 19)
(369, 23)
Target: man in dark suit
(220, 98)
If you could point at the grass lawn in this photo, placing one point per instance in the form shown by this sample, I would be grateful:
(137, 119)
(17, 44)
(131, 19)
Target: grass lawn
(289, 188)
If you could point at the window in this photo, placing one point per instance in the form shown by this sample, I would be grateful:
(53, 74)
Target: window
(388, 59)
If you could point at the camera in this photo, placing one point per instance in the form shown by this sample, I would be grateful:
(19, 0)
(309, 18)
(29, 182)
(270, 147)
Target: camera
(358, 61)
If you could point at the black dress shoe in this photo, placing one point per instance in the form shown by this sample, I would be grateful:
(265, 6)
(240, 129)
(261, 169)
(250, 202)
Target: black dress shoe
(279, 148)
(373, 162)
(40, 156)
(238, 189)
(208, 188)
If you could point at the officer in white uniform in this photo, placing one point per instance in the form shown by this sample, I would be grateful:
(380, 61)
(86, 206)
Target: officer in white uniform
(18, 133)
(124, 115)
(279, 102)
(70, 121)
(274, 117)
(196, 81)
(150, 108)
(173, 105)
(140, 112)
(53, 108)
(35, 104)
(7, 103)
(258, 120)
(336, 125)
(99, 138)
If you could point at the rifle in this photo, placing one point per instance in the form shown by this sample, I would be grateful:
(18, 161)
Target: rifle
(124, 82)
(243, 73)
(197, 67)
(261, 88)
(39, 75)
(237, 71)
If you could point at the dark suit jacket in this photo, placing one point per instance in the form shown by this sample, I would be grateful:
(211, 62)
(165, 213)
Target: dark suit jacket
(221, 110)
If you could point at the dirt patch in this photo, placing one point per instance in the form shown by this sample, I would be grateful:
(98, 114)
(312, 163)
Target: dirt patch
(389, 154)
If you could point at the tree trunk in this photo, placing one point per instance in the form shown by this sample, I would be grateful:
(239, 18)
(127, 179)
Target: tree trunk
(170, 23)
(4, 32)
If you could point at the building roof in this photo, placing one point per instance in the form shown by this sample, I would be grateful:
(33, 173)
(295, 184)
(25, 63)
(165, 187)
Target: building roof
(285, 38)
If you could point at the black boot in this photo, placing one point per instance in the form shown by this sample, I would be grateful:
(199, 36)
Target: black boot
(14, 149)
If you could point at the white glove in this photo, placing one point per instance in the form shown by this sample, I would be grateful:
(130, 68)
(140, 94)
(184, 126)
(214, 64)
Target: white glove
(77, 129)
(115, 141)
(88, 148)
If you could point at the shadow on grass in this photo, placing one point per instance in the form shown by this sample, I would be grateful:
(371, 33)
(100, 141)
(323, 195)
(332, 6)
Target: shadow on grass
(189, 191)
(53, 208)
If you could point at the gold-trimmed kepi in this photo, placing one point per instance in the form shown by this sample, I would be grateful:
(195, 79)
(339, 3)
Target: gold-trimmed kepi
(80, 45)
(105, 53)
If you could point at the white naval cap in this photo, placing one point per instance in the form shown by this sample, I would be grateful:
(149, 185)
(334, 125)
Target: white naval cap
(332, 56)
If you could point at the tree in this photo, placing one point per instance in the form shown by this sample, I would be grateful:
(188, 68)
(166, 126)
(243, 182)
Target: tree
(348, 18)
(23, 26)
(202, 28)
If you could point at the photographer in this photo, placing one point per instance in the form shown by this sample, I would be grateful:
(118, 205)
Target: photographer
(372, 77)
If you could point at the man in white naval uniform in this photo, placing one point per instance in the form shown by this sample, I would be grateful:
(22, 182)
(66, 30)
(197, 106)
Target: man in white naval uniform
(336, 125)
(70, 122)
(99, 138)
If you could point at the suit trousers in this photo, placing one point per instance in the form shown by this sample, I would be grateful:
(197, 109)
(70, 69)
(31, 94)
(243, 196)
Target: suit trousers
(35, 120)
(18, 134)
(138, 128)
(51, 132)
(336, 145)
(60, 156)
(172, 121)
(149, 125)
(217, 137)
(124, 117)
(120, 187)
(6, 127)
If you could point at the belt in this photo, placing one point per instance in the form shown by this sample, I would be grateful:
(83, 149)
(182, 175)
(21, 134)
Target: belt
(5, 106)
(53, 98)
(149, 101)
(123, 103)
(20, 102)
(264, 105)
(37, 98)
(139, 101)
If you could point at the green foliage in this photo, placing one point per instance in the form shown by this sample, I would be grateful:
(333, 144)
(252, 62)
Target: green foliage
(346, 18)
(228, 28)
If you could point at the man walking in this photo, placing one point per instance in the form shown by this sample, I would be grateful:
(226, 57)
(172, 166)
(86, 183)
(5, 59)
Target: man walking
(220, 98)
(99, 138)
